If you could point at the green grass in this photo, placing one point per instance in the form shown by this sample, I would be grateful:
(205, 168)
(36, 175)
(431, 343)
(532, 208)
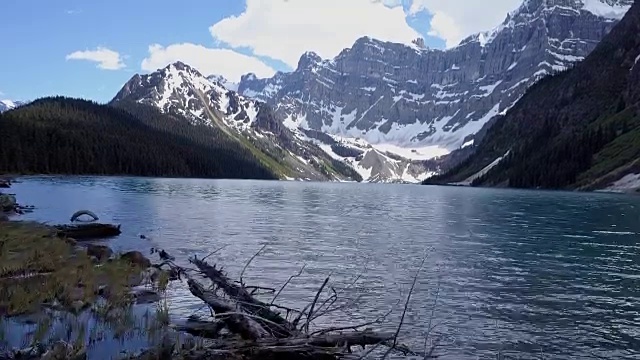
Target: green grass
(621, 152)
(36, 269)
(616, 156)
(265, 158)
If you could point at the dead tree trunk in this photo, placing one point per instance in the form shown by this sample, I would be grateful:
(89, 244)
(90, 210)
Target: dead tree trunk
(260, 332)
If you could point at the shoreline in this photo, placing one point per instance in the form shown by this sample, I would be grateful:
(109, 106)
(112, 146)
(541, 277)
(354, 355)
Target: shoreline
(83, 288)
(238, 325)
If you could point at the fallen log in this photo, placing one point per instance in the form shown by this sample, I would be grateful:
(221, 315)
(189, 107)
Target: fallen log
(273, 321)
(88, 231)
(256, 331)
(205, 329)
(229, 313)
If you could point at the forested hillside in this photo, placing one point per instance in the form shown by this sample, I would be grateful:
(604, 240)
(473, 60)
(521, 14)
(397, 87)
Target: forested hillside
(70, 136)
(579, 129)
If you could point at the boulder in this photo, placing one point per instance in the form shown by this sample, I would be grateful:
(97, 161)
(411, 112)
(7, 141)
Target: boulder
(136, 258)
(100, 252)
(7, 202)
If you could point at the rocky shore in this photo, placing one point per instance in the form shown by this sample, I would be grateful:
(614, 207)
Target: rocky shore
(49, 277)
(68, 294)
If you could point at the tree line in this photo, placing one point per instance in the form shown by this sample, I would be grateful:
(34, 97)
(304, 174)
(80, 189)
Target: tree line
(59, 135)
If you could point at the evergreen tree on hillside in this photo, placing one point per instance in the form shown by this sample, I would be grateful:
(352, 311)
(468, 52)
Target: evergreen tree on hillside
(69, 136)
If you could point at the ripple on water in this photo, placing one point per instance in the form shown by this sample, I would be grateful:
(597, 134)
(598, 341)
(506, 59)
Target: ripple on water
(521, 273)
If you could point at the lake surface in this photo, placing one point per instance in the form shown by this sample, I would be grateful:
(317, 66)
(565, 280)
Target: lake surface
(517, 274)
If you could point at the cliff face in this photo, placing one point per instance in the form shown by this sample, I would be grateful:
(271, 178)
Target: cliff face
(179, 89)
(410, 96)
(576, 130)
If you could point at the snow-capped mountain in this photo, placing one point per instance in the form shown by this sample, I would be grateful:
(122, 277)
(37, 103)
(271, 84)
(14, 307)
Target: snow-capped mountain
(6, 105)
(407, 99)
(179, 89)
(224, 81)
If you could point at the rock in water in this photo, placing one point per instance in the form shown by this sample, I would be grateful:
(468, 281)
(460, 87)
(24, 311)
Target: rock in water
(7, 202)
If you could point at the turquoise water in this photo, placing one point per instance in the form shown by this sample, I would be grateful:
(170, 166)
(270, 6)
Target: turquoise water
(518, 274)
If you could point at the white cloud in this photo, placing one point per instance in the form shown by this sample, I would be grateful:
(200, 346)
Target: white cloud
(285, 29)
(454, 20)
(228, 63)
(107, 59)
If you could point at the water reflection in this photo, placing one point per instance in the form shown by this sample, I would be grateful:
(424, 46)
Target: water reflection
(520, 273)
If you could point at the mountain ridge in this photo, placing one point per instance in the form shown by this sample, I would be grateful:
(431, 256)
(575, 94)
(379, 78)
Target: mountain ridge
(586, 137)
(412, 97)
(180, 89)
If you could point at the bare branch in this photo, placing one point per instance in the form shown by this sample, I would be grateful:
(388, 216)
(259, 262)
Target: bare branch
(287, 283)
(406, 305)
(214, 252)
(249, 262)
(433, 309)
(313, 304)
(258, 331)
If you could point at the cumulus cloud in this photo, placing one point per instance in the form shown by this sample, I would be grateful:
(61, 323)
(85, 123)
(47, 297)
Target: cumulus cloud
(107, 59)
(285, 29)
(228, 63)
(454, 20)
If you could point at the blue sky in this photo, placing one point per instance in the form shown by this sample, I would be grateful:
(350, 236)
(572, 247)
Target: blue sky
(266, 35)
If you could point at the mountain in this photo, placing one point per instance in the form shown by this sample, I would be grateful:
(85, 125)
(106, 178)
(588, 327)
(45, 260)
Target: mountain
(181, 90)
(6, 105)
(579, 129)
(408, 100)
(70, 136)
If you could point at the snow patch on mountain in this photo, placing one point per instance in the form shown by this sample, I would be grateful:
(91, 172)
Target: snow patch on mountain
(469, 180)
(635, 62)
(414, 98)
(606, 10)
(6, 105)
(230, 85)
(181, 90)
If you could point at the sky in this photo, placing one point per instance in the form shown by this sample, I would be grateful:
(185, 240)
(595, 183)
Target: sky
(89, 49)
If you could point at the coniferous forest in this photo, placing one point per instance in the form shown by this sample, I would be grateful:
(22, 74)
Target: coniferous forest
(60, 135)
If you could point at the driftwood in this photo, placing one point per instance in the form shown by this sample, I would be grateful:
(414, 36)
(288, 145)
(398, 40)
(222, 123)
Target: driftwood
(88, 231)
(259, 330)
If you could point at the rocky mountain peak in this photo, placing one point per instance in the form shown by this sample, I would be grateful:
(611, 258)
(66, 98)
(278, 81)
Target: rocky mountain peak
(411, 97)
(179, 89)
(308, 60)
(223, 81)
